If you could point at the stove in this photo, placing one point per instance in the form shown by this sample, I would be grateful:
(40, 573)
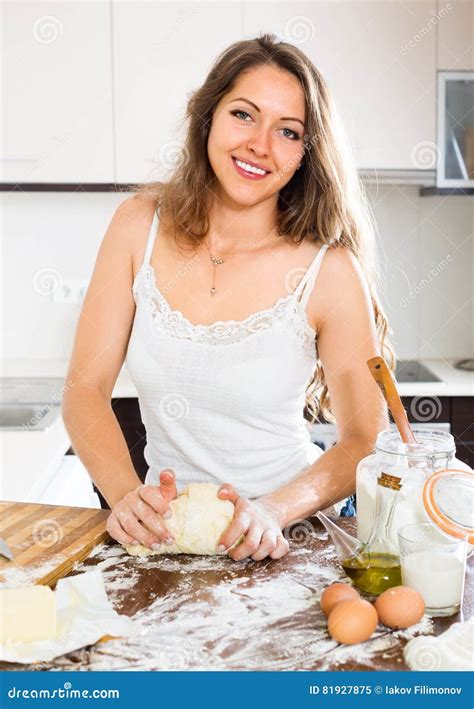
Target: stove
(410, 370)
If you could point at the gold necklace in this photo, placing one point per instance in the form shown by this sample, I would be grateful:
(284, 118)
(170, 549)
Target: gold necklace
(218, 261)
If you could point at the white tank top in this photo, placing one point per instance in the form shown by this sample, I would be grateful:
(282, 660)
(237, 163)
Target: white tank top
(224, 402)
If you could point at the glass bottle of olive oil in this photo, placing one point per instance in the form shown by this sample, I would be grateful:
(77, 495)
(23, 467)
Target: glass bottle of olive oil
(375, 573)
(377, 566)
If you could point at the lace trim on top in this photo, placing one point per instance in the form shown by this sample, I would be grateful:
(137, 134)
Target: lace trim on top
(174, 323)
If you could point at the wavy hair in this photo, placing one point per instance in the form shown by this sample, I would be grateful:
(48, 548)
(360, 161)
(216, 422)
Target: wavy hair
(324, 200)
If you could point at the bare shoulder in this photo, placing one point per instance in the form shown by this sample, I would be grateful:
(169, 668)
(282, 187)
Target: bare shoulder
(131, 225)
(132, 213)
(341, 284)
(342, 262)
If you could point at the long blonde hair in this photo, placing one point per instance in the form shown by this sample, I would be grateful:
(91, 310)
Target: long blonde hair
(324, 200)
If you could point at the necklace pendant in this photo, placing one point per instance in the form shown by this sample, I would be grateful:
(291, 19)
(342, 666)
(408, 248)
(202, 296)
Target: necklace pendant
(213, 290)
(217, 261)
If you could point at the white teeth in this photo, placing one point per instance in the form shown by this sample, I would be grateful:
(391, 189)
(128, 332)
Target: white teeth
(250, 168)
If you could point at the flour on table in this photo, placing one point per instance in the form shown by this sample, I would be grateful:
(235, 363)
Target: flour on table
(14, 577)
(452, 650)
(237, 615)
(231, 623)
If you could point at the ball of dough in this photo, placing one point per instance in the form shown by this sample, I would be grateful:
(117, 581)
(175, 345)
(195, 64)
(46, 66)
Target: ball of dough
(198, 521)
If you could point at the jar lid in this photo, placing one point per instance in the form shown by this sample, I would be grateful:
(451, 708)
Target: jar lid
(448, 497)
(433, 444)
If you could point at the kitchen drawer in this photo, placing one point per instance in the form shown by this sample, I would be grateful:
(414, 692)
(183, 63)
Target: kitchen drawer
(427, 409)
(462, 417)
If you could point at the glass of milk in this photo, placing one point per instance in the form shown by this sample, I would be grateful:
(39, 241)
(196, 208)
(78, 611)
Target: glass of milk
(434, 565)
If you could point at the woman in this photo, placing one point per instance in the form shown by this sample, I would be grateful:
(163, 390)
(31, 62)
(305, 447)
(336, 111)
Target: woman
(213, 285)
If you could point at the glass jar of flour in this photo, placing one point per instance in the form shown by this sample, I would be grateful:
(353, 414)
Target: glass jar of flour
(393, 457)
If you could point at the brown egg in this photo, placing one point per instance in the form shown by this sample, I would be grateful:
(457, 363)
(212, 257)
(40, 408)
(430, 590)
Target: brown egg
(400, 607)
(334, 594)
(352, 621)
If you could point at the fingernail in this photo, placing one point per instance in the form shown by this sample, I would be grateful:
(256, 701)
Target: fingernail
(156, 546)
(221, 547)
(134, 542)
(169, 540)
(167, 514)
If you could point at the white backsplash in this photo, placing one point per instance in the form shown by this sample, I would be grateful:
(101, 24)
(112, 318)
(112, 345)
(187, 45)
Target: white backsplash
(427, 260)
(426, 253)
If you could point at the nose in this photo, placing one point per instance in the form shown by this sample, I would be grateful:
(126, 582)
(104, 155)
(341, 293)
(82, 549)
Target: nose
(259, 142)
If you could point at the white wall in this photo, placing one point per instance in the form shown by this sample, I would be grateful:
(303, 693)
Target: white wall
(426, 252)
(46, 236)
(426, 249)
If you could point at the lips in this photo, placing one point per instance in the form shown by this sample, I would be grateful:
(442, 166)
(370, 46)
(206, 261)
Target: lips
(248, 175)
(249, 162)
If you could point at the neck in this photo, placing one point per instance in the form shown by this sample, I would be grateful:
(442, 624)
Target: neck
(234, 227)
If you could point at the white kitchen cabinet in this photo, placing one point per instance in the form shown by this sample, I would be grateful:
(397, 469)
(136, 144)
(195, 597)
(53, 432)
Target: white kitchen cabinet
(379, 59)
(28, 460)
(456, 35)
(162, 52)
(57, 92)
(70, 485)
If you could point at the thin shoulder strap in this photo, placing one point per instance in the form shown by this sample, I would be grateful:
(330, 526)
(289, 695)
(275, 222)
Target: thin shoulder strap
(306, 285)
(151, 239)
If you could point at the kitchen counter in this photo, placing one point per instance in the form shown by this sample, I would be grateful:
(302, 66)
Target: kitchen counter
(124, 387)
(211, 613)
(32, 457)
(454, 382)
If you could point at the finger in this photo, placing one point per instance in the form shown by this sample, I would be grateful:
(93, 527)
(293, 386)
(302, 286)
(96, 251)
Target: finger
(153, 496)
(239, 525)
(250, 544)
(132, 526)
(151, 519)
(267, 544)
(227, 492)
(168, 484)
(281, 548)
(117, 533)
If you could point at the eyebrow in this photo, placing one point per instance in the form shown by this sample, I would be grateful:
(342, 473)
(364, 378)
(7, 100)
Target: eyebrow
(286, 118)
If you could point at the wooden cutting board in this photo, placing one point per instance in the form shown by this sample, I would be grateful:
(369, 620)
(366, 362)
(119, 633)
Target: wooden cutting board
(47, 540)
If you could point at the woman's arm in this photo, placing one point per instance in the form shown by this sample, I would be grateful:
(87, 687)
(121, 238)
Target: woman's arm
(97, 439)
(99, 351)
(347, 338)
(329, 479)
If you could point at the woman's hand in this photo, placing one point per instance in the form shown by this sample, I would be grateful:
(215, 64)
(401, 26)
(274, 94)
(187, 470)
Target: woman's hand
(259, 522)
(137, 517)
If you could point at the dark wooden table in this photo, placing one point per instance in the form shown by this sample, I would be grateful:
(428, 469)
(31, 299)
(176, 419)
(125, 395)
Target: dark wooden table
(212, 613)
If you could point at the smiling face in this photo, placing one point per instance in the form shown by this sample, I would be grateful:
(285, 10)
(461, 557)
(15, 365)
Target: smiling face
(259, 123)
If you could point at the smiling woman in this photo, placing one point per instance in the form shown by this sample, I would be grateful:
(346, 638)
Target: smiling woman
(225, 277)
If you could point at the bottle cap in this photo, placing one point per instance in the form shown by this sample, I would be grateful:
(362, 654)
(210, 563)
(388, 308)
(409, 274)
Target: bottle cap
(448, 497)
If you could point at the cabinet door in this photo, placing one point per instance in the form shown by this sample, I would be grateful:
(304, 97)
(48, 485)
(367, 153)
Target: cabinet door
(427, 409)
(456, 35)
(162, 52)
(56, 90)
(462, 428)
(379, 60)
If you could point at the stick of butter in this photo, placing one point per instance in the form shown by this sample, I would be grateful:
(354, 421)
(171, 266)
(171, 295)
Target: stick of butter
(27, 614)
